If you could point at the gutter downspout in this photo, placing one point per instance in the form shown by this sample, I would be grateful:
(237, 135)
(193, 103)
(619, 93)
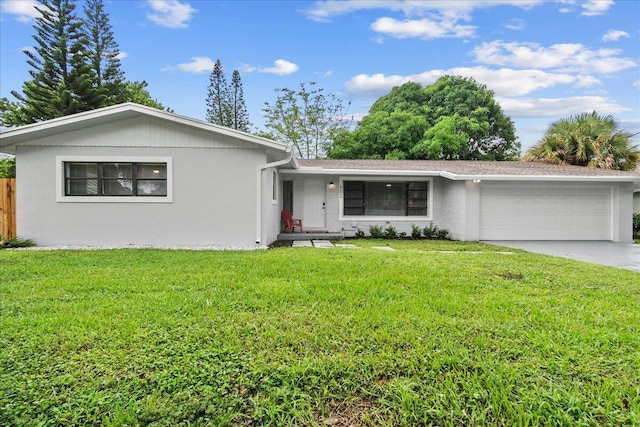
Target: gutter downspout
(259, 190)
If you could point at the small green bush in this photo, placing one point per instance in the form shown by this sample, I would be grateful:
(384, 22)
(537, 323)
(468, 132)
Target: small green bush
(376, 231)
(8, 167)
(390, 232)
(433, 232)
(359, 233)
(416, 231)
(15, 242)
(636, 224)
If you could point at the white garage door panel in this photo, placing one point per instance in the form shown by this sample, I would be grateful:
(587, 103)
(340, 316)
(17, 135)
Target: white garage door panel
(545, 212)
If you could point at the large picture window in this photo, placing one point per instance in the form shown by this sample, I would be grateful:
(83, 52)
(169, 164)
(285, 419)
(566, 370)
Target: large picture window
(115, 179)
(385, 198)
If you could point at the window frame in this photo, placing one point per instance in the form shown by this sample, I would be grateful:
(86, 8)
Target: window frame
(60, 179)
(409, 218)
(274, 187)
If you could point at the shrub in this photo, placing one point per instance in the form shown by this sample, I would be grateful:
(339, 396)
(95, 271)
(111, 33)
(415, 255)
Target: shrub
(390, 232)
(416, 231)
(359, 233)
(8, 167)
(376, 231)
(442, 234)
(434, 232)
(429, 231)
(636, 224)
(15, 242)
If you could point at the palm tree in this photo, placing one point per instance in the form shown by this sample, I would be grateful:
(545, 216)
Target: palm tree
(586, 139)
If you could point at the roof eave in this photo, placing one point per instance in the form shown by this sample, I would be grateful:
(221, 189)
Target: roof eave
(574, 178)
(307, 170)
(10, 138)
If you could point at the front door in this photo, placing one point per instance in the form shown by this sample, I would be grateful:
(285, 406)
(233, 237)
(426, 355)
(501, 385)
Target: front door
(314, 204)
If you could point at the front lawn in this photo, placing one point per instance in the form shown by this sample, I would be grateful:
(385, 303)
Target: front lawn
(433, 333)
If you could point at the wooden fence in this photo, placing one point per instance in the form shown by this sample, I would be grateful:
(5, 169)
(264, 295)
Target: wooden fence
(8, 208)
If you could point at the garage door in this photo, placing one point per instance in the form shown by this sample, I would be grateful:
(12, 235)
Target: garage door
(545, 212)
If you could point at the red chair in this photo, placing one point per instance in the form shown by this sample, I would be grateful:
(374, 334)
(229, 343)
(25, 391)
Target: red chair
(289, 223)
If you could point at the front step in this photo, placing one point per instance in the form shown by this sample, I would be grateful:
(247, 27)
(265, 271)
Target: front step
(312, 236)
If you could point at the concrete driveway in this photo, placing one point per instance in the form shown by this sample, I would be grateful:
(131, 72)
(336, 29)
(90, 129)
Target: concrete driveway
(621, 255)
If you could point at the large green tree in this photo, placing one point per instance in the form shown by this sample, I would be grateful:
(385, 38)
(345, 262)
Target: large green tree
(455, 118)
(75, 67)
(137, 92)
(587, 139)
(225, 102)
(218, 95)
(62, 80)
(103, 53)
(239, 112)
(307, 119)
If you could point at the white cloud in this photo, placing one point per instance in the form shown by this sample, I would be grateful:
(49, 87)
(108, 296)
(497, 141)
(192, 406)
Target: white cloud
(586, 81)
(24, 10)
(614, 35)
(323, 11)
(170, 13)
(246, 68)
(281, 67)
(636, 84)
(515, 24)
(553, 107)
(121, 55)
(596, 7)
(198, 64)
(422, 28)
(563, 57)
(504, 81)
(324, 74)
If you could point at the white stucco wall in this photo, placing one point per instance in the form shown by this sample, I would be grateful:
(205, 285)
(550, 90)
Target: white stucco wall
(214, 190)
(450, 207)
(271, 207)
(622, 213)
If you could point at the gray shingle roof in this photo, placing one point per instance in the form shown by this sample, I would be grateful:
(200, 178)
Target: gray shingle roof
(467, 168)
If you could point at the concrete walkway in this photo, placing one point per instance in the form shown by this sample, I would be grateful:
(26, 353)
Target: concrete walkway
(621, 255)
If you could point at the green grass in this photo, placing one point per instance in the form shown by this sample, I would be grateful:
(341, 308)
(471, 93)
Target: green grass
(434, 333)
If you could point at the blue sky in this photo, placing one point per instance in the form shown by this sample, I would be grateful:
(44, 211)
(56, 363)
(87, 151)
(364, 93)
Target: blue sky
(543, 59)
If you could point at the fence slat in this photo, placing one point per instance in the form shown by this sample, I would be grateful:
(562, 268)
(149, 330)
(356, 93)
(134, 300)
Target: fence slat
(8, 208)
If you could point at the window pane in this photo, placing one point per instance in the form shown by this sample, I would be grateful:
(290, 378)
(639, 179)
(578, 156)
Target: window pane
(417, 211)
(116, 170)
(418, 186)
(81, 187)
(354, 211)
(385, 199)
(81, 170)
(152, 188)
(117, 187)
(353, 197)
(417, 201)
(152, 171)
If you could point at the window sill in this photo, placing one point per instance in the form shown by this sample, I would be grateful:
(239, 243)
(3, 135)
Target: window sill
(385, 218)
(112, 199)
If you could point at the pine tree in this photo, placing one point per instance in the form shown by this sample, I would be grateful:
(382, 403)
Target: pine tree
(104, 53)
(218, 98)
(62, 81)
(239, 109)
